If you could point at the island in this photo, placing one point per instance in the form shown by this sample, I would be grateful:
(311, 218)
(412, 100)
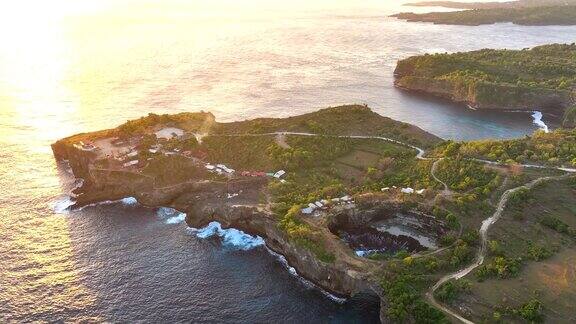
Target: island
(542, 78)
(529, 13)
(491, 4)
(355, 202)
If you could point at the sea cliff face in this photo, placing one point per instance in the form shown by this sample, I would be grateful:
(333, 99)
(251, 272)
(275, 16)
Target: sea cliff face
(203, 202)
(526, 80)
(484, 95)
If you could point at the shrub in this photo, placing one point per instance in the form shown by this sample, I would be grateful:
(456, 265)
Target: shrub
(531, 311)
(451, 289)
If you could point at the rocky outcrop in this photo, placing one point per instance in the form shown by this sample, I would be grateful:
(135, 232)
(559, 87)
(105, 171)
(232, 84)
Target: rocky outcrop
(77, 158)
(205, 201)
(483, 95)
(412, 74)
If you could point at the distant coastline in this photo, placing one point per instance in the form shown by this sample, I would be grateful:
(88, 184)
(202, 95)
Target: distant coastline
(527, 13)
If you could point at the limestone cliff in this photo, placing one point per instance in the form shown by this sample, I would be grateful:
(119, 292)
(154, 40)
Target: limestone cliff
(485, 95)
(531, 79)
(202, 201)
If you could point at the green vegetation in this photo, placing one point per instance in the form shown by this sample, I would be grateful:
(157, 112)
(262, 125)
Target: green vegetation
(539, 78)
(531, 249)
(531, 311)
(304, 235)
(558, 225)
(468, 176)
(343, 120)
(306, 152)
(451, 290)
(328, 166)
(240, 153)
(186, 121)
(555, 148)
(169, 170)
(404, 292)
(515, 206)
(531, 16)
(492, 4)
(569, 120)
(500, 267)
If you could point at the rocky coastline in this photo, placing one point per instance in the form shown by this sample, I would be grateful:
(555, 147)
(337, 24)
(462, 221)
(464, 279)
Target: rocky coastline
(414, 74)
(200, 201)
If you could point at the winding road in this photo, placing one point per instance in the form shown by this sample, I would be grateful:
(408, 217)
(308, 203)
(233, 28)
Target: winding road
(486, 224)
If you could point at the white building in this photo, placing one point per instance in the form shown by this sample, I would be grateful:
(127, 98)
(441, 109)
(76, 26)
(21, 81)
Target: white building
(130, 163)
(279, 174)
(169, 133)
(307, 211)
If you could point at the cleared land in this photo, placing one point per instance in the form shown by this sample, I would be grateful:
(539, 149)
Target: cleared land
(532, 254)
(370, 159)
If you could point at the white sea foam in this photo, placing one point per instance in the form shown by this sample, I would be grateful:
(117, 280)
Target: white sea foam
(230, 237)
(129, 201)
(539, 122)
(180, 218)
(62, 205)
(171, 215)
(306, 283)
(365, 253)
(238, 239)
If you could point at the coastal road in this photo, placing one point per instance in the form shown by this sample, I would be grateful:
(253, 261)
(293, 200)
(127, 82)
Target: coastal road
(486, 224)
(447, 192)
(481, 255)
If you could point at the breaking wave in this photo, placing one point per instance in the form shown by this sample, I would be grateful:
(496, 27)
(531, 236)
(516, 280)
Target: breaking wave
(238, 239)
(230, 237)
(171, 215)
(539, 122)
(129, 201)
(62, 205)
(306, 283)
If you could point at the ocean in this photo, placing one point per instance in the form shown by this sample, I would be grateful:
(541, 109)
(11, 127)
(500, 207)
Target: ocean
(75, 66)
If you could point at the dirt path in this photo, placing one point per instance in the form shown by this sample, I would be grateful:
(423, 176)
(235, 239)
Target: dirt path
(486, 224)
(481, 255)
(446, 192)
(281, 141)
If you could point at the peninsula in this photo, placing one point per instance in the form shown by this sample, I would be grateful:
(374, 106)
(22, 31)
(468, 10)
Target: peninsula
(356, 202)
(530, 13)
(542, 78)
(492, 4)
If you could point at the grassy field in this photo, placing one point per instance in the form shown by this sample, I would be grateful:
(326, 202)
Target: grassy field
(343, 120)
(532, 257)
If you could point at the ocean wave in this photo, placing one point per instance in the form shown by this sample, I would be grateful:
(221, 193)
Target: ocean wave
(62, 205)
(303, 280)
(238, 239)
(230, 237)
(170, 215)
(129, 201)
(539, 122)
